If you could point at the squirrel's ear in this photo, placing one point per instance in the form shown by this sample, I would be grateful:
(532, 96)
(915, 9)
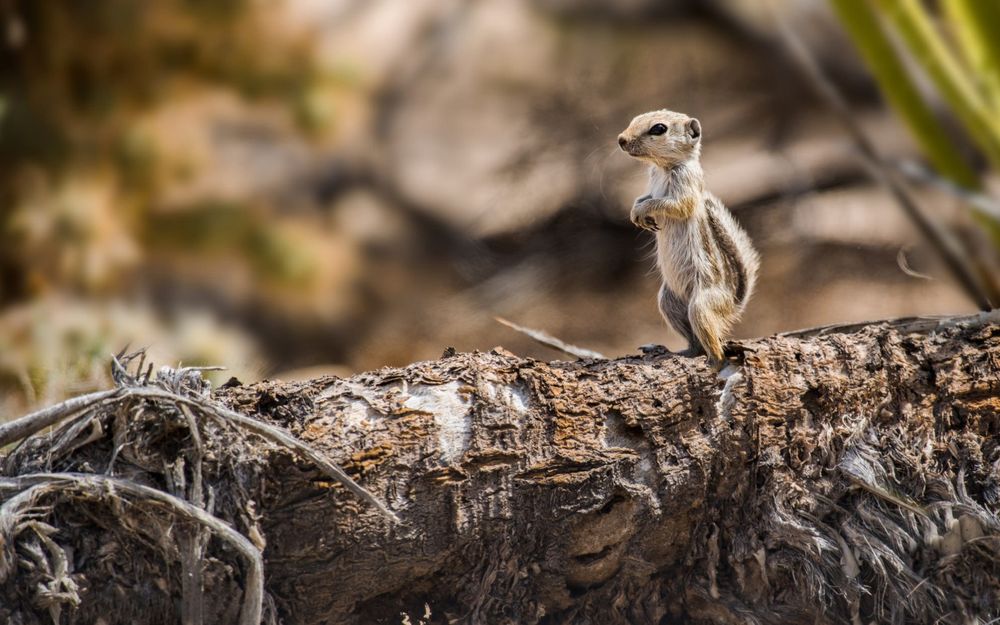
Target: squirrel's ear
(694, 129)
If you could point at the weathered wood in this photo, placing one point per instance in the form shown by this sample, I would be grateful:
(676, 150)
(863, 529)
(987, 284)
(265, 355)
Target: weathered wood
(842, 476)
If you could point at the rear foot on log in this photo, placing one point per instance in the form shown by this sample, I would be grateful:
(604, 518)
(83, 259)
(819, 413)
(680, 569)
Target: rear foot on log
(652, 349)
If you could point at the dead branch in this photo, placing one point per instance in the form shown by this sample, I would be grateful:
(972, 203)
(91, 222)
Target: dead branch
(27, 425)
(35, 422)
(845, 474)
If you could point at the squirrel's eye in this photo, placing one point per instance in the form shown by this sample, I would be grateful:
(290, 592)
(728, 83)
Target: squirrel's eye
(658, 129)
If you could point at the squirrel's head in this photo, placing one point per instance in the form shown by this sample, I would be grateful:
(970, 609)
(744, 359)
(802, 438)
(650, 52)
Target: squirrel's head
(663, 138)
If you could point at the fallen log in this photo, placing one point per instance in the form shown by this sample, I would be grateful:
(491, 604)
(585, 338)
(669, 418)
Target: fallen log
(837, 475)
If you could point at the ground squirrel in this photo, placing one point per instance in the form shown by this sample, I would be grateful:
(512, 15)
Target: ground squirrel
(708, 264)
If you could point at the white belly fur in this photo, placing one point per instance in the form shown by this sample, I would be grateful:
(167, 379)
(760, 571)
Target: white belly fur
(675, 242)
(675, 245)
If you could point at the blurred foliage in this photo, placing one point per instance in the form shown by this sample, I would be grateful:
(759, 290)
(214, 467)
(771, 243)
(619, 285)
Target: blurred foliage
(78, 174)
(958, 49)
(91, 149)
(45, 357)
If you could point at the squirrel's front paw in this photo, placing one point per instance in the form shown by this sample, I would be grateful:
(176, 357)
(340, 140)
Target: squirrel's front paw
(642, 213)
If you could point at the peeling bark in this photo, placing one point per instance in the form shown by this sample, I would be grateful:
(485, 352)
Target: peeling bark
(840, 476)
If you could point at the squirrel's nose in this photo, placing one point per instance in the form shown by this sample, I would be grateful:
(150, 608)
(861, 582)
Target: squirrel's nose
(622, 141)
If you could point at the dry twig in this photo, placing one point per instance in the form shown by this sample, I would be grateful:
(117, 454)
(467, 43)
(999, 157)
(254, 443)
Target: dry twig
(552, 342)
(37, 421)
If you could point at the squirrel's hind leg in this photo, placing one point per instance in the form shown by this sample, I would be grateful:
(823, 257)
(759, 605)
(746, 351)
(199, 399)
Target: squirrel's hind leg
(675, 313)
(711, 313)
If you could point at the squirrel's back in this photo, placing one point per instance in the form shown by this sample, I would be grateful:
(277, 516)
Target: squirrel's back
(736, 255)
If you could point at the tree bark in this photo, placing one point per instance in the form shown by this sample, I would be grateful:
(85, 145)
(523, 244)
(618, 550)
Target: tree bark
(843, 475)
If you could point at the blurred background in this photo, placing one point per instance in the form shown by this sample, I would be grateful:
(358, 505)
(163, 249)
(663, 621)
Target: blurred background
(290, 188)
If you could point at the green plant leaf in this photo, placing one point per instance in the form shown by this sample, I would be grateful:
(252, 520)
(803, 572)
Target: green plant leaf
(862, 25)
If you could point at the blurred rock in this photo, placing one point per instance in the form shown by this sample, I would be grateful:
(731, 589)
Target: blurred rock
(515, 116)
(817, 154)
